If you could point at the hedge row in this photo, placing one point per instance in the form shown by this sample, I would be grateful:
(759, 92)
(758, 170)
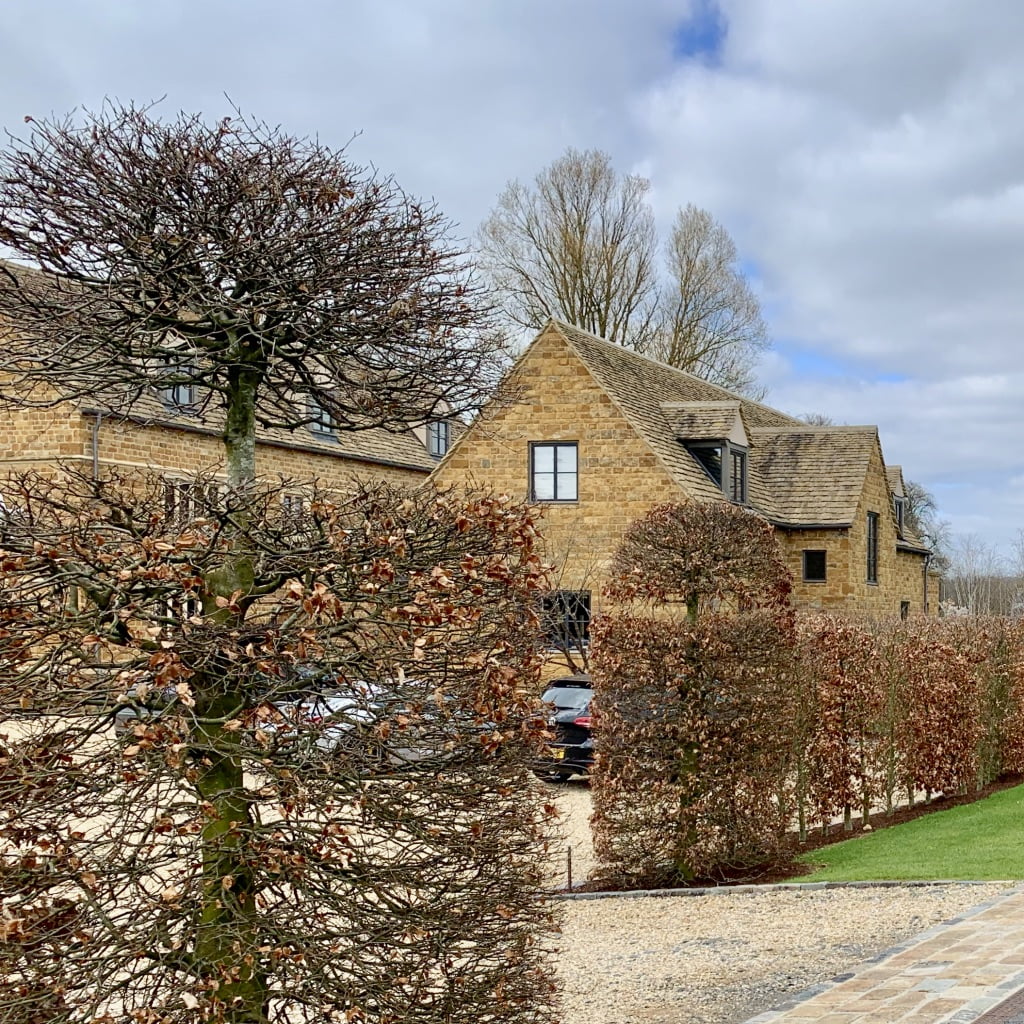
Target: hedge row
(720, 736)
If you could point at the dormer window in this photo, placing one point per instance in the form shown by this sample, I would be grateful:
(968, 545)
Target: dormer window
(321, 422)
(439, 438)
(726, 464)
(900, 507)
(181, 396)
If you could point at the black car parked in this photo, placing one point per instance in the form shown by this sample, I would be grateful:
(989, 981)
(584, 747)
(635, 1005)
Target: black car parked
(571, 751)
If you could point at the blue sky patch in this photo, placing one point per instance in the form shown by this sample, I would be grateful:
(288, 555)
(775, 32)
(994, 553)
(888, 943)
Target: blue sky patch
(701, 35)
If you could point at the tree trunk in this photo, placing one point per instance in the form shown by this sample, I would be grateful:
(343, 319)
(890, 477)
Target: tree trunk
(227, 930)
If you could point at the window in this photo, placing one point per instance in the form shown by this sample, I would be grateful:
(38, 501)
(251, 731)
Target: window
(904, 609)
(185, 500)
(439, 438)
(565, 618)
(553, 472)
(321, 422)
(900, 506)
(182, 394)
(814, 566)
(872, 554)
(292, 507)
(737, 476)
(726, 464)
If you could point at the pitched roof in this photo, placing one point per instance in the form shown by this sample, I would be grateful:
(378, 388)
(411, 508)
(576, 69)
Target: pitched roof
(641, 387)
(374, 445)
(798, 475)
(815, 475)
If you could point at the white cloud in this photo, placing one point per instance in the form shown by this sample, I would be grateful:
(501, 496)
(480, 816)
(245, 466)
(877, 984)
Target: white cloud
(868, 157)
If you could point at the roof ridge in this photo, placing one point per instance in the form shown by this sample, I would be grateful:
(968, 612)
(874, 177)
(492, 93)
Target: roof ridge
(814, 429)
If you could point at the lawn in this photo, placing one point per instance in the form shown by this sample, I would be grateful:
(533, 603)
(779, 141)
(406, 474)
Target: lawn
(983, 840)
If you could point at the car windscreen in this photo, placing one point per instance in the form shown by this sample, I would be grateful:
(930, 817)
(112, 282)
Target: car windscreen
(576, 697)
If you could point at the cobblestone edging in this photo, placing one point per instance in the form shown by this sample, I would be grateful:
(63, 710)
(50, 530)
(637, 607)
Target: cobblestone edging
(561, 894)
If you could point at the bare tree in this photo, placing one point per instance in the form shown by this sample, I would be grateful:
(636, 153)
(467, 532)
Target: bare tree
(712, 320)
(817, 419)
(198, 871)
(922, 516)
(977, 577)
(580, 245)
(267, 272)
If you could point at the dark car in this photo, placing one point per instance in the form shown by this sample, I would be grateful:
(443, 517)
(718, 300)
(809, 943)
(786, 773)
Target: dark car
(571, 750)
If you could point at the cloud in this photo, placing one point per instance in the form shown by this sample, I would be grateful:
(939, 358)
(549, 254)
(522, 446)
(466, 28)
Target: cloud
(867, 156)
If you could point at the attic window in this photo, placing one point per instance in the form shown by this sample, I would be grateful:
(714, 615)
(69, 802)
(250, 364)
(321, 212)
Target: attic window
(900, 507)
(439, 438)
(726, 464)
(321, 422)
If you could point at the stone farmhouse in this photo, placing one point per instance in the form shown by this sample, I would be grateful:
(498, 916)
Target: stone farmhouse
(598, 434)
(168, 432)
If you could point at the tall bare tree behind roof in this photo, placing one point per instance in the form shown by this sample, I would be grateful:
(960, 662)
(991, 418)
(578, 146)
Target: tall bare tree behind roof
(263, 269)
(578, 244)
(712, 319)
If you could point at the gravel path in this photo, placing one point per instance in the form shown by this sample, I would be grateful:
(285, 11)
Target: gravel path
(724, 957)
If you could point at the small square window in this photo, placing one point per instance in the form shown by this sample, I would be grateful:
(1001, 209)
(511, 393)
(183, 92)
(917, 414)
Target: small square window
(814, 566)
(554, 474)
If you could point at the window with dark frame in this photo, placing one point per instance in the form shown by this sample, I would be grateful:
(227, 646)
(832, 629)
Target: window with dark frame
(565, 618)
(872, 548)
(904, 609)
(439, 438)
(554, 471)
(900, 507)
(321, 422)
(737, 476)
(182, 395)
(815, 566)
(726, 465)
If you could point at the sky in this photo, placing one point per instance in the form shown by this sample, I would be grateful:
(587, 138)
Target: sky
(866, 156)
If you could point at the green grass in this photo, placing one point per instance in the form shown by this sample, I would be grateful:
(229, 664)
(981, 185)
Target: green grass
(979, 841)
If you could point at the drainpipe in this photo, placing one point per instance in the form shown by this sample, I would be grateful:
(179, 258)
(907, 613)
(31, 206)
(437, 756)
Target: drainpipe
(927, 562)
(96, 446)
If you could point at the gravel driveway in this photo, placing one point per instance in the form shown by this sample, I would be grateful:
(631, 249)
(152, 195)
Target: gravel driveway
(726, 956)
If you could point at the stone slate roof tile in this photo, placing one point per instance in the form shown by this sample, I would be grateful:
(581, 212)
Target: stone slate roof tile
(797, 474)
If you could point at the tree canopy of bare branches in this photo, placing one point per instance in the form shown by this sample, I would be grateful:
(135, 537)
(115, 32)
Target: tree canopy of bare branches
(229, 857)
(580, 245)
(699, 554)
(236, 259)
(712, 319)
(202, 870)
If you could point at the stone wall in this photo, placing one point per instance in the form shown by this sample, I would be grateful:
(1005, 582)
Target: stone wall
(41, 438)
(620, 478)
